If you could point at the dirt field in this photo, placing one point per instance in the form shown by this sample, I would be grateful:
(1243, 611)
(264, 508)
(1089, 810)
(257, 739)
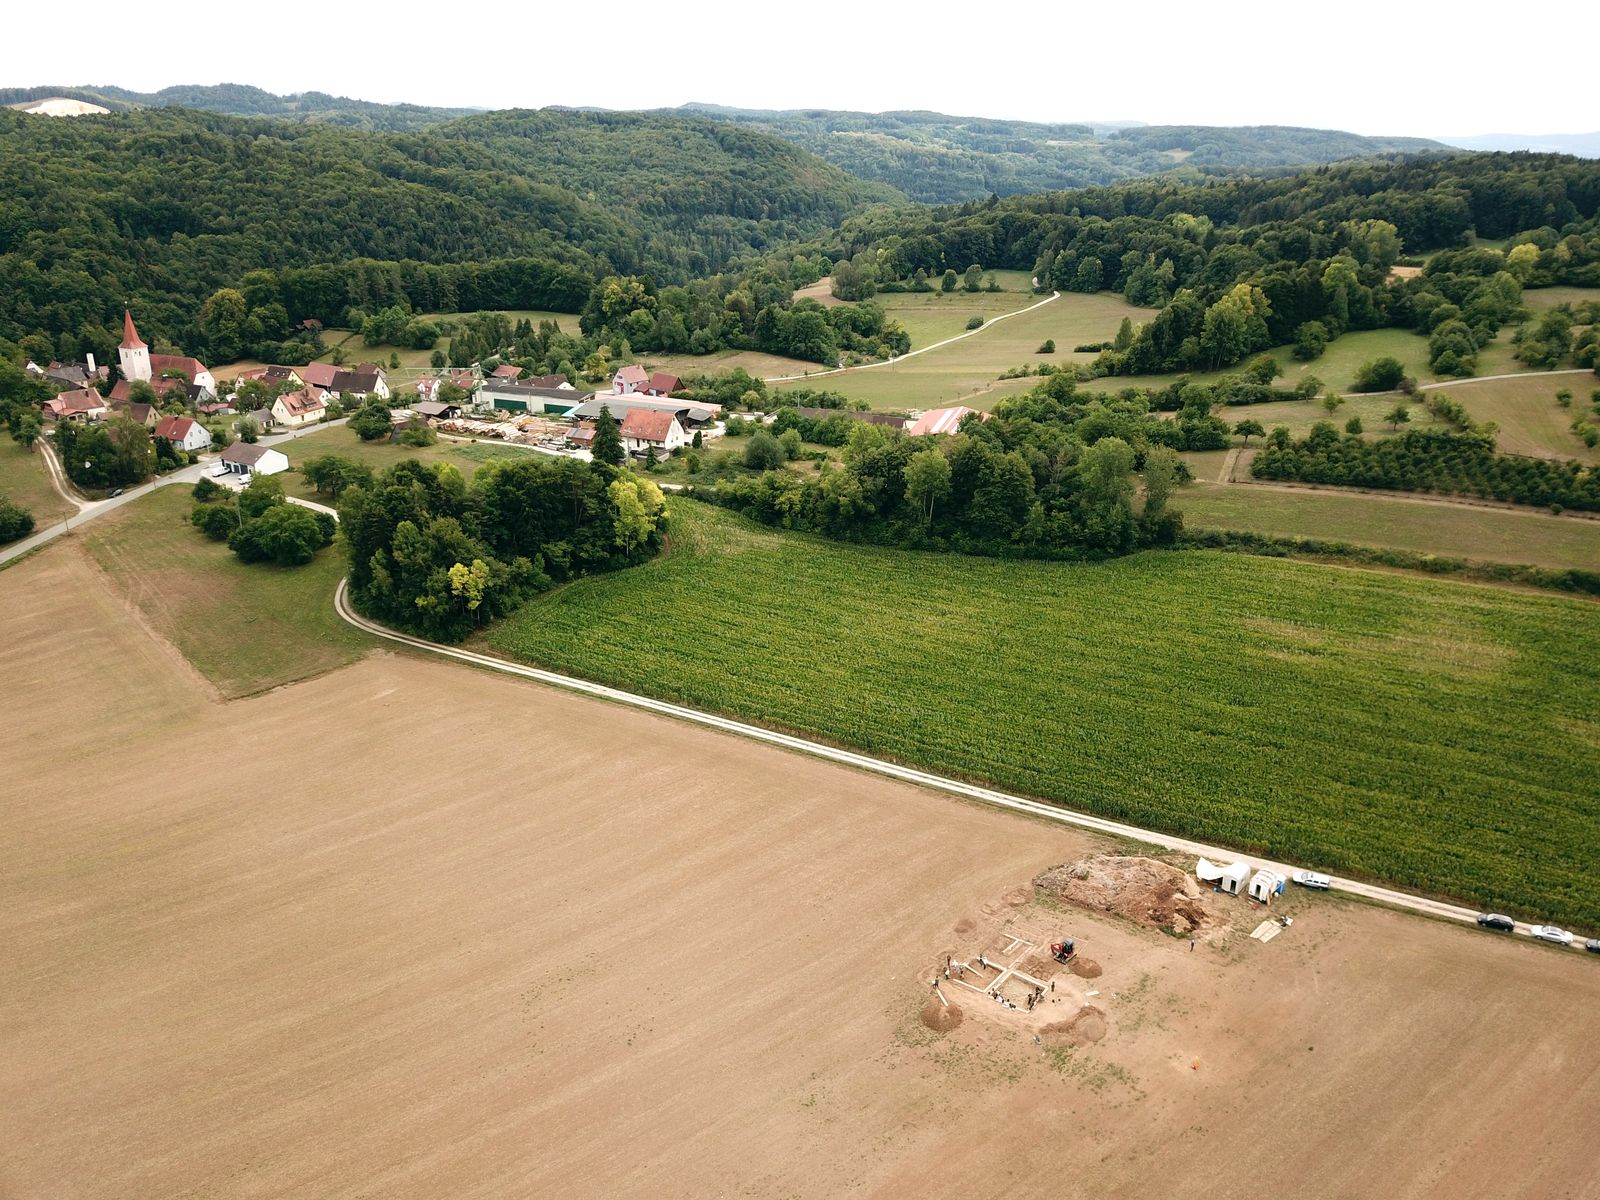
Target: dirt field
(412, 930)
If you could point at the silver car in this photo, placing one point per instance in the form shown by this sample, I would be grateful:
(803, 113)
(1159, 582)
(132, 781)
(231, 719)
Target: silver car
(1313, 879)
(1549, 933)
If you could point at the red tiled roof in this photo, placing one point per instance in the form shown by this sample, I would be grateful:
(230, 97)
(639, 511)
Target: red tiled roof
(941, 420)
(663, 383)
(130, 335)
(633, 374)
(161, 363)
(507, 371)
(317, 374)
(81, 401)
(303, 402)
(174, 429)
(647, 425)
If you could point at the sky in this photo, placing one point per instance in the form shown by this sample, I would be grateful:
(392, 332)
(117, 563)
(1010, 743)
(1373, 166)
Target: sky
(1400, 68)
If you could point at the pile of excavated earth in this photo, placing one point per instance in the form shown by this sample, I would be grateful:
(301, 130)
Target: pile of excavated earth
(1142, 889)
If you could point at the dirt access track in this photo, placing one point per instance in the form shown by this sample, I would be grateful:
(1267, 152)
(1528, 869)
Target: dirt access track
(410, 929)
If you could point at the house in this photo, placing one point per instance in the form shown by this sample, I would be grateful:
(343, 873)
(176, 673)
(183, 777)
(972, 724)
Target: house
(272, 375)
(464, 379)
(359, 384)
(217, 408)
(690, 416)
(432, 410)
(84, 406)
(175, 389)
(263, 418)
(252, 458)
(644, 429)
(184, 432)
(1265, 884)
(317, 375)
(662, 384)
(71, 375)
(294, 409)
(1230, 879)
(942, 420)
(427, 388)
(581, 435)
(521, 396)
(138, 363)
(506, 371)
(550, 381)
(629, 380)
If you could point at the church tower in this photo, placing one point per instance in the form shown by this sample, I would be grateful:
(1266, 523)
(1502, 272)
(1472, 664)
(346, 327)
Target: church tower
(134, 354)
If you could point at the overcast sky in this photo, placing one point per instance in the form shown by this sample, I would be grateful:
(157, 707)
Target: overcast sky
(1397, 67)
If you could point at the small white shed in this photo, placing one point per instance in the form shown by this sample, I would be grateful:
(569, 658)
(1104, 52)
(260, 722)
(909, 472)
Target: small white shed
(1230, 879)
(1265, 884)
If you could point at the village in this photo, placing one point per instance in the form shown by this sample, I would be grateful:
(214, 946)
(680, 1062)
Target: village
(185, 408)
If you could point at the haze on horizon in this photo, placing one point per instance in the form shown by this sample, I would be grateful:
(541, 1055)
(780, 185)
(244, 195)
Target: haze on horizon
(1374, 68)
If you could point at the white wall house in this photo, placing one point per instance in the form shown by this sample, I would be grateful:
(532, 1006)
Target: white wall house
(247, 458)
(644, 428)
(184, 432)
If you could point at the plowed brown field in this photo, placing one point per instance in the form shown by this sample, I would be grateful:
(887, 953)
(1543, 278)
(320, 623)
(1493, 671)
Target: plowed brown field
(412, 930)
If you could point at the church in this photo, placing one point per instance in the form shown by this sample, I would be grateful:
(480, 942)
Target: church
(138, 363)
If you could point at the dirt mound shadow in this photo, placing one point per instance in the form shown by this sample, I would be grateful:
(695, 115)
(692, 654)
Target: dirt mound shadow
(1088, 1026)
(941, 1018)
(966, 925)
(1142, 889)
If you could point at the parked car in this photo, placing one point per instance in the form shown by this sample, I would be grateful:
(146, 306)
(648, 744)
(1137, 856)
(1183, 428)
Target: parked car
(1549, 933)
(113, 493)
(1313, 879)
(1592, 945)
(1496, 921)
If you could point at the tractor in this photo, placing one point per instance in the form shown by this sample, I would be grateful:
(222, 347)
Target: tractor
(1063, 951)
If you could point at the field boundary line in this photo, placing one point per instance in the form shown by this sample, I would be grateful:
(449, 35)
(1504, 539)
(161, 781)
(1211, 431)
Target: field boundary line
(889, 362)
(893, 770)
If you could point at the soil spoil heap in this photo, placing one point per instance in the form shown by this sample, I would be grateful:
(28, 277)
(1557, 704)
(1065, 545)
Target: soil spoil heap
(1141, 889)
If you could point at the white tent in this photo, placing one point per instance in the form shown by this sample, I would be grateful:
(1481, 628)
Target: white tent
(1230, 879)
(1265, 884)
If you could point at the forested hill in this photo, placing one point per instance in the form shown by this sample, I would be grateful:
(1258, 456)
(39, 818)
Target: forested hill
(939, 159)
(240, 100)
(162, 206)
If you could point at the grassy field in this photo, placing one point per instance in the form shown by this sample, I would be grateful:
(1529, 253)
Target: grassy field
(1452, 531)
(967, 371)
(1530, 420)
(1191, 691)
(245, 628)
(378, 455)
(25, 481)
(1298, 416)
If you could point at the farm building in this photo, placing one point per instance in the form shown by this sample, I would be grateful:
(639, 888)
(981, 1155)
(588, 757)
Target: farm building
(645, 429)
(434, 410)
(690, 416)
(887, 420)
(1231, 879)
(1265, 884)
(526, 397)
(942, 420)
(359, 384)
(581, 435)
(318, 375)
(252, 458)
(83, 406)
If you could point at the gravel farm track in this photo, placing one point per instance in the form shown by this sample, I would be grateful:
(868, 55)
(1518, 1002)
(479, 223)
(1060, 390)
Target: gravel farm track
(405, 929)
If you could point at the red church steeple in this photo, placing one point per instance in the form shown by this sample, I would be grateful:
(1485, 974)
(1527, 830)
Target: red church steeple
(130, 335)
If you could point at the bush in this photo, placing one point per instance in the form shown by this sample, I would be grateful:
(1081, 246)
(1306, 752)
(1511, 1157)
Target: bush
(372, 421)
(417, 433)
(1048, 346)
(791, 442)
(263, 493)
(207, 490)
(1310, 340)
(1380, 375)
(974, 322)
(763, 453)
(15, 522)
(286, 534)
(216, 521)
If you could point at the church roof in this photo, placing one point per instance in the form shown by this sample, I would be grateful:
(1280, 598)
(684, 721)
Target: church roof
(130, 335)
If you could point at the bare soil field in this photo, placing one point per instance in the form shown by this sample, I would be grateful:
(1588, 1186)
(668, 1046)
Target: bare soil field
(407, 929)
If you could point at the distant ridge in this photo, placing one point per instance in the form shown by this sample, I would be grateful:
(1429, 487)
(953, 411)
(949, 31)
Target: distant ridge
(1584, 145)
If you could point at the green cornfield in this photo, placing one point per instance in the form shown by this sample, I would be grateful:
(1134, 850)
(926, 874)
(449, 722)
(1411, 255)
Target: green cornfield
(1438, 736)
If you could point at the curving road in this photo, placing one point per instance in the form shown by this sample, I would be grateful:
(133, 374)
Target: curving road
(893, 770)
(889, 362)
(88, 510)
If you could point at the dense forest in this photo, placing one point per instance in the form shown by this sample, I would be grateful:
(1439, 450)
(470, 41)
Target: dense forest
(1238, 265)
(935, 158)
(241, 100)
(161, 207)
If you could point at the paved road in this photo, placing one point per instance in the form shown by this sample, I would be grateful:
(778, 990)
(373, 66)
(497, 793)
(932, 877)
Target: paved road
(889, 362)
(88, 510)
(851, 758)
